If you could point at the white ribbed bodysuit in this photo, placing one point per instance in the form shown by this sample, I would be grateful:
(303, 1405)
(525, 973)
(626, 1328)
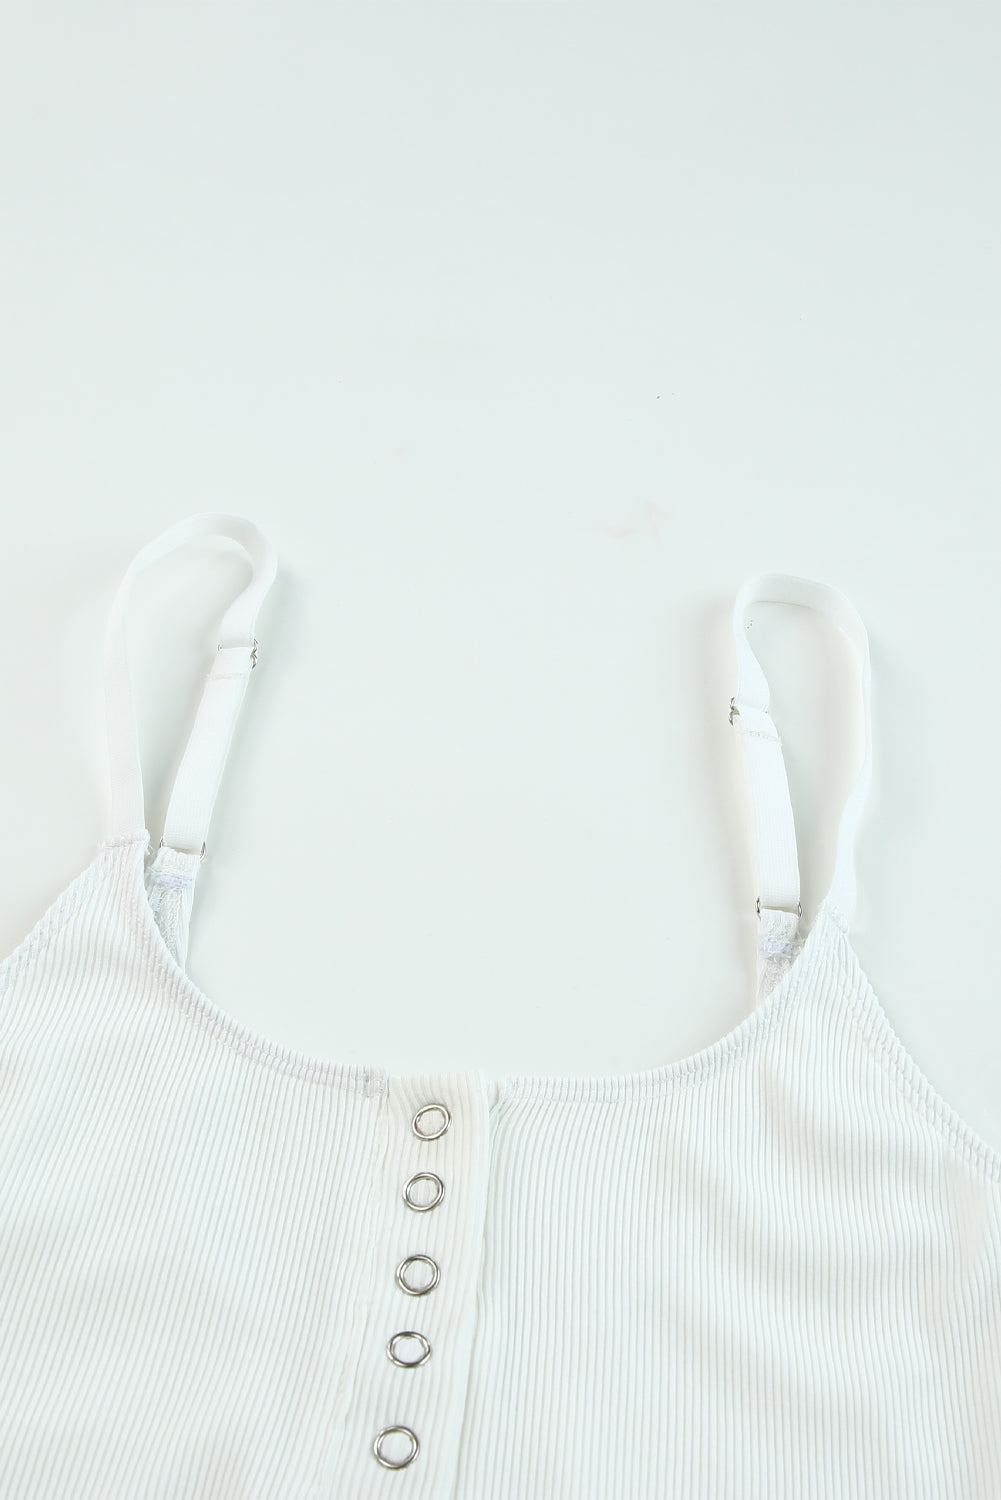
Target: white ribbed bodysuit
(231, 1271)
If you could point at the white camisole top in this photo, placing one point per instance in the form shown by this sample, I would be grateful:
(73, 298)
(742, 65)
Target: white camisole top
(232, 1271)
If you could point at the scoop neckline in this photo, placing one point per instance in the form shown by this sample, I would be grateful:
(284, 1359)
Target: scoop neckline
(373, 1079)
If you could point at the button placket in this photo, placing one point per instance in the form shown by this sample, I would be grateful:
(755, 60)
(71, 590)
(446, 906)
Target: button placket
(410, 1281)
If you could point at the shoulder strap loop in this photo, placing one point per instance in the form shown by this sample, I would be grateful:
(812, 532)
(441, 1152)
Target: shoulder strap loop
(200, 773)
(778, 902)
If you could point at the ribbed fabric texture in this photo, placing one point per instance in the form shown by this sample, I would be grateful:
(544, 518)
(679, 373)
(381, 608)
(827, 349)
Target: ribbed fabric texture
(770, 1270)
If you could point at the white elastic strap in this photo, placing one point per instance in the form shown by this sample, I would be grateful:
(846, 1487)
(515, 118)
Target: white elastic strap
(777, 858)
(200, 772)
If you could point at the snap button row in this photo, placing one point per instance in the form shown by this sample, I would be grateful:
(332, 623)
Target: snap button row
(407, 1285)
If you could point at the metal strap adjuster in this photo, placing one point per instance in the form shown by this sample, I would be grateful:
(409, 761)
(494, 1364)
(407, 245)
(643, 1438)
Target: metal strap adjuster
(183, 851)
(757, 906)
(253, 652)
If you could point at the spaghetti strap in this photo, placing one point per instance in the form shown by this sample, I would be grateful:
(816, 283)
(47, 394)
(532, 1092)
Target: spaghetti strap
(171, 876)
(778, 873)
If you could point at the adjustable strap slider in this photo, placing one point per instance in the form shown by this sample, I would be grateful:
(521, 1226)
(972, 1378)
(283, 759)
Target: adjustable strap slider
(253, 651)
(755, 722)
(201, 852)
(757, 906)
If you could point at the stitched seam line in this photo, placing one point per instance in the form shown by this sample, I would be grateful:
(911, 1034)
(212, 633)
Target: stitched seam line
(761, 734)
(239, 1039)
(361, 1312)
(180, 993)
(895, 1059)
(49, 924)
(723, 1053)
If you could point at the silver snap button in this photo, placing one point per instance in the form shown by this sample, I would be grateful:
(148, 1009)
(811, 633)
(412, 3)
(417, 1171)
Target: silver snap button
(417, 1291)
(396, 1463)
(431, 1135)
(409, 1364)
(423, 1177)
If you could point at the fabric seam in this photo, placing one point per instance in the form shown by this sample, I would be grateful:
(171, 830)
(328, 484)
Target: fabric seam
(895, 1058)
(720, 1054)
(181, 993)
(52, 921)
(360, 1312)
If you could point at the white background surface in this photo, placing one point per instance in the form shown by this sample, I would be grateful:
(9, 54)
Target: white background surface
(525, 332)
